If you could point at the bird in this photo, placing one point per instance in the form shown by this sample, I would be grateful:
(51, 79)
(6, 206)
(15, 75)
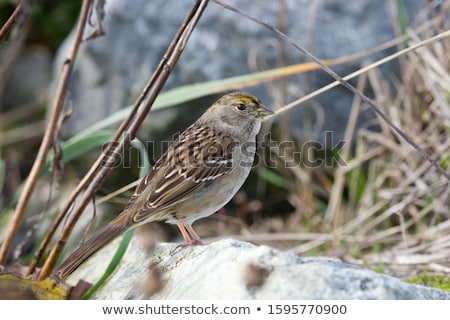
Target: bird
(199, 173)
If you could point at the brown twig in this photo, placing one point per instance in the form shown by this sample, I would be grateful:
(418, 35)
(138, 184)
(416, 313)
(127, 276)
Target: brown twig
(11, 20)
(283, 62)
(110, 155)
(47, 140)
(17, 26)
(375, 107)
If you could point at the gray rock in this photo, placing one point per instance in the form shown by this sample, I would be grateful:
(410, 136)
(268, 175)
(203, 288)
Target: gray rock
(231, 269)
(29, 79)
(111, 71)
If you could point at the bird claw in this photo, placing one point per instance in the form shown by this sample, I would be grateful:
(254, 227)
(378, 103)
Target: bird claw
(193, 242)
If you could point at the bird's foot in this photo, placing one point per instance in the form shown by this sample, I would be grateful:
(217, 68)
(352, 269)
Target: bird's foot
(192, 242)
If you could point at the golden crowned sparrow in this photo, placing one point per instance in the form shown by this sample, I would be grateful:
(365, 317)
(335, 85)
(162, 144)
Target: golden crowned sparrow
(200, 172)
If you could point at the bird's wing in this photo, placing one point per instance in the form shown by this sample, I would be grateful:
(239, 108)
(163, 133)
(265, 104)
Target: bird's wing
(196, 159)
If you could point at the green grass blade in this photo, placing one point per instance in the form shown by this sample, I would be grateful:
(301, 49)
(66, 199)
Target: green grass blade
(273, 178)
(112, 265)
(144, 164)
(194, 91)
(403, 19)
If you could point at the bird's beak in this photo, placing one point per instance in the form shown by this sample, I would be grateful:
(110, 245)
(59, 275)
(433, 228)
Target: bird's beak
(263, 111)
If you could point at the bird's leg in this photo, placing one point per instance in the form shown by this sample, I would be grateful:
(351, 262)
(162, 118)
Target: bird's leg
(221, 222)
(184, 233)
(187, 231)
(196, 241)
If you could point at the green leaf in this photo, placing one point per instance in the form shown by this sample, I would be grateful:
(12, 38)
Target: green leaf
(445, 162)
(190, 92)
(144, 164)
(403, 19)
(273, 177)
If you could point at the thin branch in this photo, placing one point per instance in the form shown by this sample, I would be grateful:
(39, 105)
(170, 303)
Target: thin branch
(47, 140)
(110, 155)
(12, 20)
(17, 27)
(372, 103)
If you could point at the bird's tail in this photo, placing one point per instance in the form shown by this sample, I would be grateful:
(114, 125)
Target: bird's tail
(88, 248)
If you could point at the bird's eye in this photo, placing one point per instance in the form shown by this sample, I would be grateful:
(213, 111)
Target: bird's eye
(241, 106)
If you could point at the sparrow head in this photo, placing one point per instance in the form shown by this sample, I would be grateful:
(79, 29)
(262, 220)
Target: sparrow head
(239, 113)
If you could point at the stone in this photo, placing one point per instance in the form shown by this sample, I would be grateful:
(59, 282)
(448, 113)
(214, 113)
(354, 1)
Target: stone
(29, 79)
(220, 271)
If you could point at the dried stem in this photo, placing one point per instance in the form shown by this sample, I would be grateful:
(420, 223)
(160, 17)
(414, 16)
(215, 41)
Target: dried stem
(6, 28)
(283, 62)
(110, 155)
(337, 190)
(17, 27)
(47, 140)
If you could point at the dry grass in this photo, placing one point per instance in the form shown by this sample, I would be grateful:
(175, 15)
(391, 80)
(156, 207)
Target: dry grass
(387, 207)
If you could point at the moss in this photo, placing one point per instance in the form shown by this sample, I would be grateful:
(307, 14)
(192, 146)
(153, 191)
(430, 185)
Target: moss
(432, 280)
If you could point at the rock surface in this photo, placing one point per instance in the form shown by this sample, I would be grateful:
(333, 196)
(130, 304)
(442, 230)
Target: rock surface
(111, 70)
(231, 269)
(29, 79)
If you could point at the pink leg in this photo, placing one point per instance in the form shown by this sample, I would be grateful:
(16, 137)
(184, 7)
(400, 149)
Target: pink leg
(221, 222)
(196, 241)
(187, 231)
(184, 233)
